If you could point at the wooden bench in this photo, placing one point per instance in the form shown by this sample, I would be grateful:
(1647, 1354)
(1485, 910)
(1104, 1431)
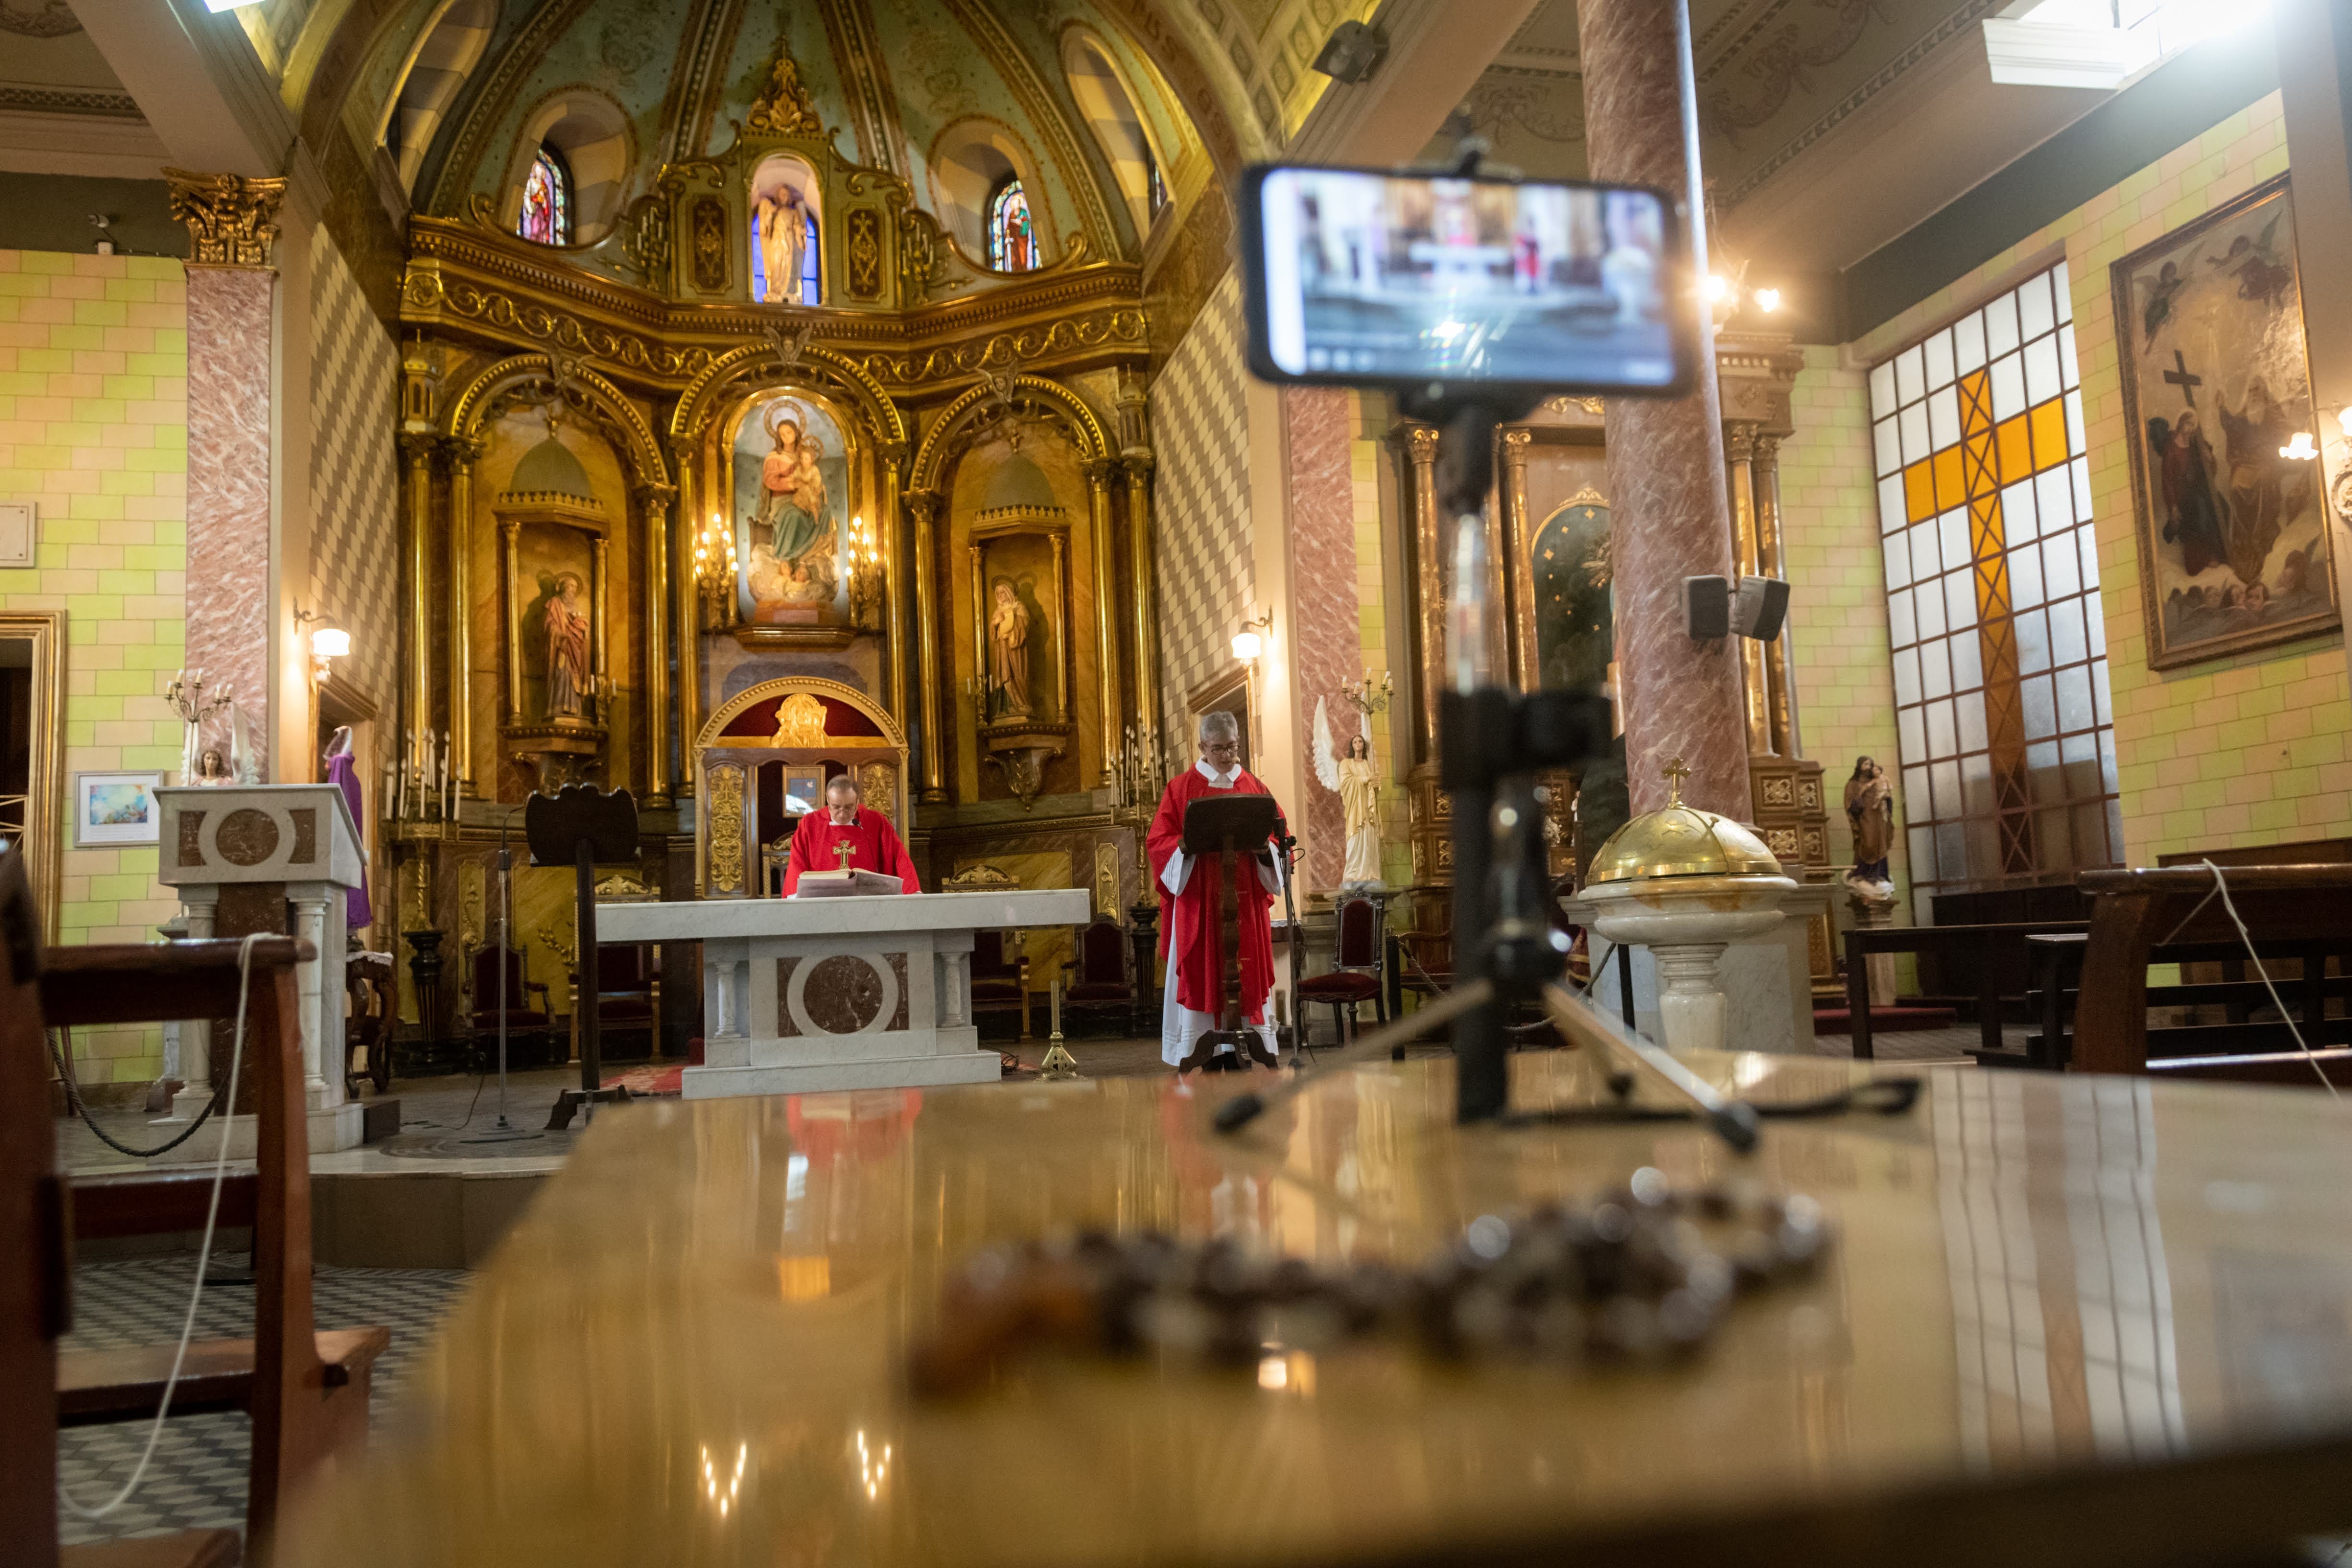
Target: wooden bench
(307, 1392)
(2143, 916)
(1996, 950)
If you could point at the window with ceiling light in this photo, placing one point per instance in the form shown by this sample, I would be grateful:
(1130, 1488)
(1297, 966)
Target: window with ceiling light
(1992, 600)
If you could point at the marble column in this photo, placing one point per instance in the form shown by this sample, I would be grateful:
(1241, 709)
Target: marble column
(1422, 543)
(232, 346)
(1670, 513)
(1326, 611)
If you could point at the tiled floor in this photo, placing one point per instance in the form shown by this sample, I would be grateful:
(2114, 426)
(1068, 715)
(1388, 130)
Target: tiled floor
(199, 1476)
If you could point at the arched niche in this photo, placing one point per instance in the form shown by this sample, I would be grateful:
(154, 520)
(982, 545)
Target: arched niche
(772, 742)
(593, 133)
(968, 162)
(786, 232)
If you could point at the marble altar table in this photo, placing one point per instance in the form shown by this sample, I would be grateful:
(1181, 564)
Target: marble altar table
(2067, 1320)
(807, 994)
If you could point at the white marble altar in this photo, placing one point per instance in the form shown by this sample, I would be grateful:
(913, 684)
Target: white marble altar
(294, 841)
(806, 994)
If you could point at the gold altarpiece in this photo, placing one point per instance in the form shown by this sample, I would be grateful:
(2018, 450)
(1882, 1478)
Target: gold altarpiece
(666, 375)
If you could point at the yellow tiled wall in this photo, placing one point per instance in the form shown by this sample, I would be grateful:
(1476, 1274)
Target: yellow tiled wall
(94, 432)
(2250, 750)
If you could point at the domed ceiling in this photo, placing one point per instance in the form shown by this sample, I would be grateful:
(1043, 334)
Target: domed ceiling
(920, 88)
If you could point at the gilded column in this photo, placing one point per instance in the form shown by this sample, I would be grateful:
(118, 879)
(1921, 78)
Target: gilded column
(598, 576)
(418, 686)
(687, 611)
(893, 576)
(1739, 462)
(231, 286)
(1669, 509)
(464, 453)
(1517, 559)
(1780, 672)
(510, 569)
(924, 505)
(1099, 476)
(1418, 443)
(1142, 549)
(655, 500)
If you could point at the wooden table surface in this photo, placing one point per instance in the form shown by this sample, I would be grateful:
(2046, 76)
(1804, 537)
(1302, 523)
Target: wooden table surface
(2068, 1320)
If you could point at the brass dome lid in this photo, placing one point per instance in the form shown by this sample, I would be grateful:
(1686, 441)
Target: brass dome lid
(1678, 840)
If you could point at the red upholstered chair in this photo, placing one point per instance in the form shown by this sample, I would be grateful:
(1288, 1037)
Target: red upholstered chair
(529, 1028)
(626, 975)
(1357, 969)
(1000, 984)
(1098, 979)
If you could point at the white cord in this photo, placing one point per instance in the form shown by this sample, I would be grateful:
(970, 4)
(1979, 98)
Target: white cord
(204, 1254)
(2245, 936)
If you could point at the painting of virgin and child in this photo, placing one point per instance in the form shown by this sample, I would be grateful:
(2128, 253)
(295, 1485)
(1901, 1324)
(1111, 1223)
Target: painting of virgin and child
(790, 472)
(2217, 387)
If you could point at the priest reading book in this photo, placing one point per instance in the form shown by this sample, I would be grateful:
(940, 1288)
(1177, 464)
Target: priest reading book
(845, 849)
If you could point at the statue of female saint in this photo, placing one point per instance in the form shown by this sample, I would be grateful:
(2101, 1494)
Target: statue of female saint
(1869, 812)
(1359, 801)
(568, 681)
(1008, 653)
(780, 221)
(791, 497)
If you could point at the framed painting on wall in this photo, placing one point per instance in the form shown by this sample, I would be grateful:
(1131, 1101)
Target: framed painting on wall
(2231, 529)
(116, 809)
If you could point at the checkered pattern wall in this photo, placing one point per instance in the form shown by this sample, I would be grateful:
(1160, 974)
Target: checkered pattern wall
(354, 501)
(1200, 426)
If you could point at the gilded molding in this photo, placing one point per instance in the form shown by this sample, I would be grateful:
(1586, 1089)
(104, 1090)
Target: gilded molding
(467, 409)
(700, 401)
(1066, 407)
(231, 219)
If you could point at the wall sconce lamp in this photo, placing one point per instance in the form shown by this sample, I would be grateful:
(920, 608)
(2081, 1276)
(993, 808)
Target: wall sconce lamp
(1248, 642)
(2299, 446)
(2343, 417)
(329, 642)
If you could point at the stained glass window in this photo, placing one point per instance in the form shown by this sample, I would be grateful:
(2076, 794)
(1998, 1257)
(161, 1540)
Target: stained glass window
(1155, 188)
(811, 290)
(1011, 247)
(1992, 599)
(546, 200)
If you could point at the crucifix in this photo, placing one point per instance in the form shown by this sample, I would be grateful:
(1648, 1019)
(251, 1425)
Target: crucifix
(2179, 375)
(1675, 773)
(844, 851)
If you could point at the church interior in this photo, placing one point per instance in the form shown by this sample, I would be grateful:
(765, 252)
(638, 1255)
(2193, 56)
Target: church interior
(643, 645)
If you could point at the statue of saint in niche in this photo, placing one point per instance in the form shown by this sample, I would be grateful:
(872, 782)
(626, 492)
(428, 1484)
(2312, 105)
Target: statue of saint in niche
(790, 468)
(1008, 655)
(779, 223)
(568, 681)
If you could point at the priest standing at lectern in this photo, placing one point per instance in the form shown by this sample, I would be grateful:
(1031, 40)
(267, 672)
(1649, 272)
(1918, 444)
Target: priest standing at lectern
(1188, 928)
(845, 824)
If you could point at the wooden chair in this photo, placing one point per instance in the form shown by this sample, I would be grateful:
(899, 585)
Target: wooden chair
(1357, 975)
(307, 1392)
(368, 981)
(627, 975)
(2291, 913)
(1000, 984)
(1099, 983)
(533, 1027)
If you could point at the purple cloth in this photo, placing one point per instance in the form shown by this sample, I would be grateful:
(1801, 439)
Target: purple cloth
(340, 773)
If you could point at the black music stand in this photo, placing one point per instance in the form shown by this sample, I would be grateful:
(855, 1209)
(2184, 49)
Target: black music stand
(583, 828)
(1230, 827)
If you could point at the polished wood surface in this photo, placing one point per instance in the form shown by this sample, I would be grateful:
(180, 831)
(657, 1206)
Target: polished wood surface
(181, 1549)
(102, 1385)
(2068, 1320)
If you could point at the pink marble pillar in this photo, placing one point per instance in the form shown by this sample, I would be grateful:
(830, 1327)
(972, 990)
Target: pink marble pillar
(228, 616)
(1327, 622)
(1669, 509)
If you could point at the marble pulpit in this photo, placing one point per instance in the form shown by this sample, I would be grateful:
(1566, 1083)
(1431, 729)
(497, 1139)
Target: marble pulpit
(806, 995)
(271, 858)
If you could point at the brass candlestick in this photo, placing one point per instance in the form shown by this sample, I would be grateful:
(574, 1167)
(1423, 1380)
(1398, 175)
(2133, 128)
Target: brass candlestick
(1058, 1062)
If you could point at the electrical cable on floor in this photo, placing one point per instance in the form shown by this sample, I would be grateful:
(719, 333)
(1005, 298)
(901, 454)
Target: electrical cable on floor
(64, 1062)
(2222, 887)
(204, 1257)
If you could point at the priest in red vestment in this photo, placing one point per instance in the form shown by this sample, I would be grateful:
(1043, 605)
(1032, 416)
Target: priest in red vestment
(873, 844)
(1189, 939)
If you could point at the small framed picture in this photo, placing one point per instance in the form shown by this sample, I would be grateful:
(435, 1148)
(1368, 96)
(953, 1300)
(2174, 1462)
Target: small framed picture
(803, 788)
(116, 809)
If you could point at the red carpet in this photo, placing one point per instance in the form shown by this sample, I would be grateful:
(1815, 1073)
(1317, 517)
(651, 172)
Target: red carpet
(649, 1080)
(1839, 1020)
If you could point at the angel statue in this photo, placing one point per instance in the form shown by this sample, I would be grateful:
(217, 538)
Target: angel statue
(1357, 782)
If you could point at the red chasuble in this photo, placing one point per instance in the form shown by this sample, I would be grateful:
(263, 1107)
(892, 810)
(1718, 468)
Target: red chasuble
(817, 846)
(1189, 922)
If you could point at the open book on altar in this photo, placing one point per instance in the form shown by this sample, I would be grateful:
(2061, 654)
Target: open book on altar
(853, 883)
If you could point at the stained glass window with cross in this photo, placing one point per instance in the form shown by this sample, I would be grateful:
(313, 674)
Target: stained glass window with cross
(2002, 711)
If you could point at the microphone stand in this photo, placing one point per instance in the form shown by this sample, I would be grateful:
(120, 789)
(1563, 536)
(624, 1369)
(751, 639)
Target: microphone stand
(505, 1131)
(1286, 847)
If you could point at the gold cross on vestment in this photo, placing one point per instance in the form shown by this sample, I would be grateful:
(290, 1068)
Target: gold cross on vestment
(844, 851)
(1675, 773)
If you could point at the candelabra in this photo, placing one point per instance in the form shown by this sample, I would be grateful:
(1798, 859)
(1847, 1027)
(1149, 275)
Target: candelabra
(420, 786)
(1369, 698)
(189, 700)
(716, 568)
(865, 577)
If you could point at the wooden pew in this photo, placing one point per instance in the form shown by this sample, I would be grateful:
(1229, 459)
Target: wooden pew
(2135, 912)
(307, 1392)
